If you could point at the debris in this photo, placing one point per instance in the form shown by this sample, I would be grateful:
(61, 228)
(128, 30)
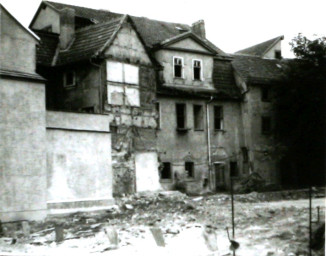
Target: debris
(26, 229)
(173, 231)
(210, 236)
(113, 236)
(158, 236)
(197, 199)
(129, 206)
(318, 237)
(59, 233)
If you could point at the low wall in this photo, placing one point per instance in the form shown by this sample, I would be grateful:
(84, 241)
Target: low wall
(79, 168)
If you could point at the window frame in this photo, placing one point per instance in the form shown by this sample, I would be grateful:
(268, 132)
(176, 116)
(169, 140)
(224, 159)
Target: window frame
(221, 117)
(201, 127)
(73, 84)
(192, 171)
(184, 116)
(170, 169)
(201, 70)
(182, 67)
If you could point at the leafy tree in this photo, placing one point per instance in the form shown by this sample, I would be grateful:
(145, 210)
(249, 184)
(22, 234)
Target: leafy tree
(300, 113)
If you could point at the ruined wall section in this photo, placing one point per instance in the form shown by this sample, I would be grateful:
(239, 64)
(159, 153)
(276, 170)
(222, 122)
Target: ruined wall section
(132, 114)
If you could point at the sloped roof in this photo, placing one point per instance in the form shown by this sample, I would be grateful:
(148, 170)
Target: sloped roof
(260, 49)
(88, 41)
(46, 49)
(256, 70)
(223, 80)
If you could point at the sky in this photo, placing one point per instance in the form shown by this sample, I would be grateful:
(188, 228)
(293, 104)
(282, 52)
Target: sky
(231, 25)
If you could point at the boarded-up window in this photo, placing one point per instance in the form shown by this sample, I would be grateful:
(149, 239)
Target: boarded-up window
(181, 115)
(178, 67)
(190, 169)
(218, 117)
(123, 90)
(198, 117)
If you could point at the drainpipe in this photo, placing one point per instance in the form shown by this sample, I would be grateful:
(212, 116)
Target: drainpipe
(208, 133)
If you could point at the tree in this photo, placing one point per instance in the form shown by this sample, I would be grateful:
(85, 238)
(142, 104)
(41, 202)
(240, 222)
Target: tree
(300, 112)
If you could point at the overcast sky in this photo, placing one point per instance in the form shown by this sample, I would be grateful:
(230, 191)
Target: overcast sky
(230, 24)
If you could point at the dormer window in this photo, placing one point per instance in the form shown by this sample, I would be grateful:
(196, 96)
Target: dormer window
(178, 67)
(197, 69)
(69, 79)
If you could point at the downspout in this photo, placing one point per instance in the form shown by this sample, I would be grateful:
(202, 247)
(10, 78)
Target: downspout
(208, 133)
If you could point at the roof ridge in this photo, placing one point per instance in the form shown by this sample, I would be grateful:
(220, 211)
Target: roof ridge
(64, 4)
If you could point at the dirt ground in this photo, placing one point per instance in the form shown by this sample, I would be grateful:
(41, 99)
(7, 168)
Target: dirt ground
(189, 225)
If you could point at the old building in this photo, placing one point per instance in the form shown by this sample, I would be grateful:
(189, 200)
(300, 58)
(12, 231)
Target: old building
(180, 109)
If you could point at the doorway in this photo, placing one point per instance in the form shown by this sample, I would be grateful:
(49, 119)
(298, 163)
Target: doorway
(219, 169)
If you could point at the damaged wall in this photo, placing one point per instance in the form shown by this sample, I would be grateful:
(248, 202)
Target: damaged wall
(78, 160)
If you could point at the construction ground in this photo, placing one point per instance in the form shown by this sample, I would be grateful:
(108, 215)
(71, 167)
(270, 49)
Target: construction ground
(172, 223)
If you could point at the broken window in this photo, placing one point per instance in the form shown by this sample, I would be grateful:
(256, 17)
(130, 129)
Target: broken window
(265, 93)
(181, 115)
(218, 117)
(190, 169)
(234, 169)
(266, 124)
(166, 171)
(197, 69)
(123, 82)
(69, 79)
(178, 67)
(198, 117)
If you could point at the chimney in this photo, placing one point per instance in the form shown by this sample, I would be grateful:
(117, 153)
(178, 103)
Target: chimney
(198, 28)
(67, 27)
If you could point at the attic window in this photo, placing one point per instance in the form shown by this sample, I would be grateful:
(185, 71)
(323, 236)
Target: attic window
(197, 69)
(178, 67)
(278, 54)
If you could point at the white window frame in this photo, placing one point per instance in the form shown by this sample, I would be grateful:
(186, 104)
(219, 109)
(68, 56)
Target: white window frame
(182, 67)
(65, 85)
(201, 70)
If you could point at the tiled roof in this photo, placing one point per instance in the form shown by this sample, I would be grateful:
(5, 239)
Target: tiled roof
(257, 70)
(46, 48)
(223, 80)
(260, 49)
(87, 13)
(88, 41)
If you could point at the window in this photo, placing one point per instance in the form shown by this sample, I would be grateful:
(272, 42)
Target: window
(233, 169)
(198, 117)
(245, 154)
(158, 110)
(278, 54)
(166, 171)
(123, 82)
(181, 115)
(69, 79)
(265, 93)
(197, 69)
(178, 67)
(266, 124)
(218, 117)
(190, 170)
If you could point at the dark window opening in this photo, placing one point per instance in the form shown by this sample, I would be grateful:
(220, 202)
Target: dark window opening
(265, 94)
(234, 169)
(181, 116)
(166, 171)
(245, 154)
(158, 121)
(266, 124)
(190, 169)
(219, 175)
(278, 54)
(177, 67)
(218, 118)
(197, 70)
(88, 110)
(69, 79)
(198, 117)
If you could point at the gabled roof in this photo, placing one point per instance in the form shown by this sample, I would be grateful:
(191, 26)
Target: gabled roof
(89, 41)
(256, 70)
(19, 24)
(260, 49)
